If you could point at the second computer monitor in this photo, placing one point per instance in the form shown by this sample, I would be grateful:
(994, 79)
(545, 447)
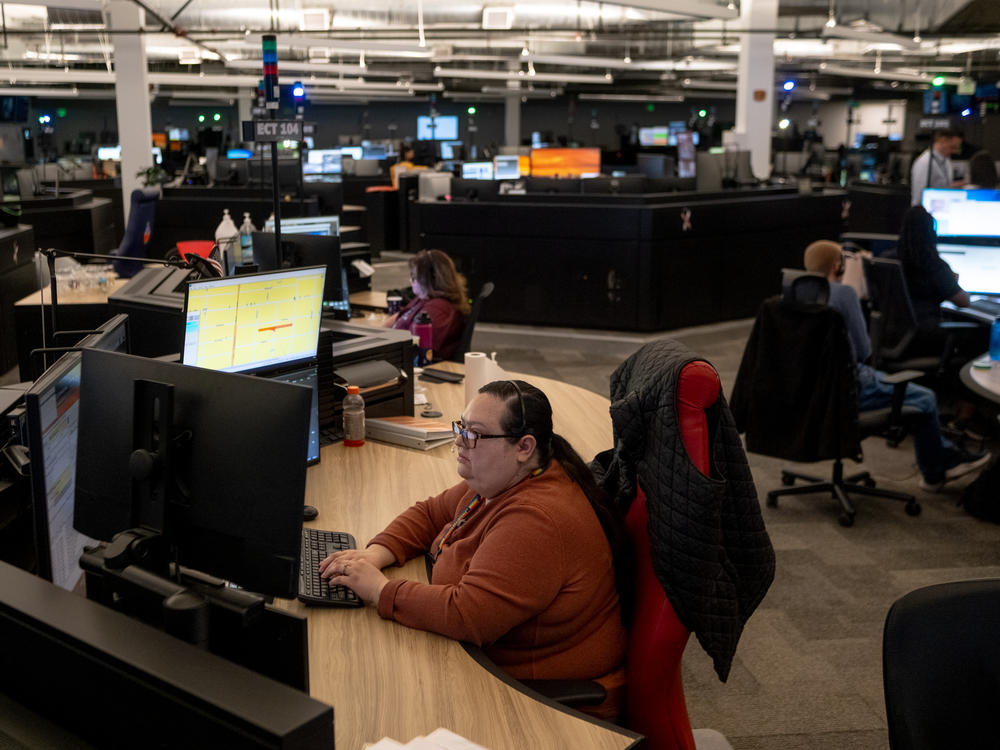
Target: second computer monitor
(226, 497)
(299, 250)
(254, 322)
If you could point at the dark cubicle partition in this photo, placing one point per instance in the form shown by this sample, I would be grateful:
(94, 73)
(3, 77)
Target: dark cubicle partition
(73, 219)
(688, 260)
(193, 213)
(17, 280)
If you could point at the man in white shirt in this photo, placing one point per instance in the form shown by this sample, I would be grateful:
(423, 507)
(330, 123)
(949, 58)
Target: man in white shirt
(933, 167)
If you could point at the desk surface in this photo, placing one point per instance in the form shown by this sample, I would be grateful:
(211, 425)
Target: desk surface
(982, 381)
(384, 679)
(67, 296)
(369, 300)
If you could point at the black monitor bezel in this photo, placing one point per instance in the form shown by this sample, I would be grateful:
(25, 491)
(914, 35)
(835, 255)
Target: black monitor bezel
(219, 531)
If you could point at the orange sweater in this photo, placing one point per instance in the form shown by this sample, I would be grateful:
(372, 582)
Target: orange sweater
(529, 577)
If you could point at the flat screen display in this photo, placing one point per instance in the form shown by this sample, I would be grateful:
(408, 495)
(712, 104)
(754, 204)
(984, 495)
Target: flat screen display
(477, 170)
(507, 167)
(565, 162)
(440, 128)
(322, 161)
(253, 322)
(109, 153)
(448, 149)
(963, 213)
(178, 134)
(977, 266)
(655, 136)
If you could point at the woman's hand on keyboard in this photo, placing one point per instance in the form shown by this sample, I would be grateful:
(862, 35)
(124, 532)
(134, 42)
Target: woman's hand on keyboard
(355, 569)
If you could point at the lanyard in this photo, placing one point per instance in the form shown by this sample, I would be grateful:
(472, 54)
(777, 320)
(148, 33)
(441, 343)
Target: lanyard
(459, 522)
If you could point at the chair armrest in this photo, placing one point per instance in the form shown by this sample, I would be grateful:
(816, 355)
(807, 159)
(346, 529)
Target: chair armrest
(569, 692)
(903, 376)
(898, 381)
(958, 325)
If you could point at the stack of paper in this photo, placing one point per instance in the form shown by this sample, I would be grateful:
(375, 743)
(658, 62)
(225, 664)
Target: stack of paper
(413, 432)
(439, 739)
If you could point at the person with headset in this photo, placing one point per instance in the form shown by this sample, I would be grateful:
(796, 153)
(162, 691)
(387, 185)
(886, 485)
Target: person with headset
(938, 460)
(524, 549)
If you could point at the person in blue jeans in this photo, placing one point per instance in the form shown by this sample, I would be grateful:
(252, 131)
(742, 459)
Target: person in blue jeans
(938, 459)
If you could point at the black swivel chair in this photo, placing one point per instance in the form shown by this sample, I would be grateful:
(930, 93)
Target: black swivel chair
(795, 395)
(135, 243)
(941, 667)
(893, 326)
(470, 322)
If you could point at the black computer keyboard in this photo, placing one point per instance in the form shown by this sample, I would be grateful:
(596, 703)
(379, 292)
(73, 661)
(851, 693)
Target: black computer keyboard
(317, 544)
(988, 306)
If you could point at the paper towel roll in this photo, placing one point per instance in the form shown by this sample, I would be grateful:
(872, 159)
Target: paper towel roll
(480, 370)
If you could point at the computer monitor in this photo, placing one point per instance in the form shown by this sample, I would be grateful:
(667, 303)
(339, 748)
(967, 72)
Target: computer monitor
(109, 153)
(963, 213)
(254, 322)
(52, 406)
(506, 167)
(227, 490)
(977, 266)
(440, 128)
(328, 226)
(654, 136)
(565, 162)
(355, 152)
(322, 161)
(477, 170)
(179, 134)
(300, 251)
(375, 151)
(452, 150)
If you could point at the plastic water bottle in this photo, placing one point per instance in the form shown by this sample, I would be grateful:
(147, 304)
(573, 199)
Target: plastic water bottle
(995, 343)
(246, 239)
(354, 417)
(227, 238)
(425, 333)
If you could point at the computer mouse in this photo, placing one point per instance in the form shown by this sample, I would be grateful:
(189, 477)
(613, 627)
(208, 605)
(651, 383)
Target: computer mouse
(309, 513)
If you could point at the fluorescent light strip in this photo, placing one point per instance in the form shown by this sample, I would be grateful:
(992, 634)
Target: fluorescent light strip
(40, 91)
(499, 75)
(631, 97)
(885, 75)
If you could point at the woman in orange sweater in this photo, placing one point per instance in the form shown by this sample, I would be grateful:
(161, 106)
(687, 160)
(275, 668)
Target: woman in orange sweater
(522, 549)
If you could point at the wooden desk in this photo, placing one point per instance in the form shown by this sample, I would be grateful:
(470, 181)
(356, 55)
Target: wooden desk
(369, 300)
(981, 381)
(78, 310)
(384, 679)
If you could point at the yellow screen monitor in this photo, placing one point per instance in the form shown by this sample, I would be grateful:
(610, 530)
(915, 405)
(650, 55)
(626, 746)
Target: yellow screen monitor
(565, 162)
(254, 322)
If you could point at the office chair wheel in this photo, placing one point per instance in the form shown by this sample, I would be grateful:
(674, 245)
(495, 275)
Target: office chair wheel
(772, 500)
(846, 520)
(912, 508)
(787, 479)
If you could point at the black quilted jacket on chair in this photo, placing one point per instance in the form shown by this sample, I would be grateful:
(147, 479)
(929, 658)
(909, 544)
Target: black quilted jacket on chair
(711, 552)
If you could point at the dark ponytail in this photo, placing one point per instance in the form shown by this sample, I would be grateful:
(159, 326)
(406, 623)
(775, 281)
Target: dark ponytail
(528, 412)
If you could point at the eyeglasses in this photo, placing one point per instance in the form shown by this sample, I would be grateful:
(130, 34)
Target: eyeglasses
(471, 437)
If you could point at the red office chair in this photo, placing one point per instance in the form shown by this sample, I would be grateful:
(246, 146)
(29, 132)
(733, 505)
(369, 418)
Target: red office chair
(655, 696)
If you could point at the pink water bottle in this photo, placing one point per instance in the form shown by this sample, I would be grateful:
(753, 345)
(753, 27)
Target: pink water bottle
(424, 331)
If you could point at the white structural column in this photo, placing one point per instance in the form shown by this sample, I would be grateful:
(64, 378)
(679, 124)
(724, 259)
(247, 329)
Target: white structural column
(131, 96)
(512, 110)
(755, 83)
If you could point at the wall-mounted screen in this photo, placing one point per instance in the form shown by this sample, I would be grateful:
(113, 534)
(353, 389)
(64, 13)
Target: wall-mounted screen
(963, 213)
(440, 128)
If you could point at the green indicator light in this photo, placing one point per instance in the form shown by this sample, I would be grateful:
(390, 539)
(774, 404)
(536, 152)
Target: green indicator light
(61, 112)
(471, 110)
(702, 113)
(216, 117)
(938, 80)
(650, 107)
(201, 118)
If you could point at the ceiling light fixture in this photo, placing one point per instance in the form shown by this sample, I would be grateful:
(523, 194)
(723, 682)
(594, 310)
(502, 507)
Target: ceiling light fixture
(500, 75)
